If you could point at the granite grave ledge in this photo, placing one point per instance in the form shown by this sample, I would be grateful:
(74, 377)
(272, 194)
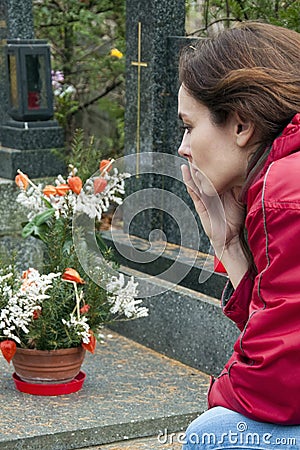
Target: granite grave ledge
(130, 392)
(35, 162)
(192, 262)
(183, 324)
(151, 443)
(32, 138)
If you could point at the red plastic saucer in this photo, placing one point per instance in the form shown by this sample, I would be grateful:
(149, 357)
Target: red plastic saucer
(49, 389)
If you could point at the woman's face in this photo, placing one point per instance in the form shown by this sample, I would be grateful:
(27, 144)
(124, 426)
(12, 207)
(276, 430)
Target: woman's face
(210, 148)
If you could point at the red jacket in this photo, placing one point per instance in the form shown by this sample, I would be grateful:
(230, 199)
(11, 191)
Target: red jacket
(261, 380)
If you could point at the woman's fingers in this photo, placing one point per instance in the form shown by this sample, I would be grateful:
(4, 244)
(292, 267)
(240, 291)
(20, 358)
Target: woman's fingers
(193, 190)
(188, 180)
(209, 208)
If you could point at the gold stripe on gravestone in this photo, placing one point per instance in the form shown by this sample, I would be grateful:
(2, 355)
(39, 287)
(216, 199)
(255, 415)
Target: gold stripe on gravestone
(139, 64)
(2, 24)
(3, 42)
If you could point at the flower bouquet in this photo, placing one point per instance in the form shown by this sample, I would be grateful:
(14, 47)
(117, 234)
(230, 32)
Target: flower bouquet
(61, 307)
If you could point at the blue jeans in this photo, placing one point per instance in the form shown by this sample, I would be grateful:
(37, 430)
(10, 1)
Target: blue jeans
(220, 428)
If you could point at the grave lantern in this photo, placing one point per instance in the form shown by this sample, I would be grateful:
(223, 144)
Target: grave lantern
(29, 80)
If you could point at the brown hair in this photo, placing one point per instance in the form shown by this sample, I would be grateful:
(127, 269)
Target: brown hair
(252, 69)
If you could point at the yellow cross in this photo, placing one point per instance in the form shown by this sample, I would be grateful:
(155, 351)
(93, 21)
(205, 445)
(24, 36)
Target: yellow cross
(139, 64)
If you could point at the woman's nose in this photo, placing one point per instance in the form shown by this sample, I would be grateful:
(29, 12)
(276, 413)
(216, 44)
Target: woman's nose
(184, 149)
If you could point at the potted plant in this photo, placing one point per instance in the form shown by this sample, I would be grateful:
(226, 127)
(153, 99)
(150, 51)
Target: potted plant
(61, 309)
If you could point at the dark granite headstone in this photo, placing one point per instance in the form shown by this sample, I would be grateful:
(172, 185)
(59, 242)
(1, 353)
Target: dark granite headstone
(16, 21)
(154, 36)
(27, 146)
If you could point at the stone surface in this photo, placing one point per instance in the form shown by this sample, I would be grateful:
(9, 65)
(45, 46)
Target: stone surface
(182, 324)
(37, 136)
(19, 19)
(12, 214)
(36, 162)
(159, 20)
(173, 136)
(151, 123)
(29, 252)
(129, 392)
(152, 443)
(186, 321)
(157, 258)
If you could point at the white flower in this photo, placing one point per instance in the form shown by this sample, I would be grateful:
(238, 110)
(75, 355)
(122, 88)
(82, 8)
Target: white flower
(32, 199)
(60, 180)
(20, 305)
(123, 298)
(91, 203)
(80, 325)
(94, 205)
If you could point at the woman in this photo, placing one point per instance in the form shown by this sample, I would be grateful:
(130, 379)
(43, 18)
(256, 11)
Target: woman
(239, 101)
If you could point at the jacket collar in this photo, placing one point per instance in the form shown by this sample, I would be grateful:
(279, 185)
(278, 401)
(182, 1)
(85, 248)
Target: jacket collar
(288, 142)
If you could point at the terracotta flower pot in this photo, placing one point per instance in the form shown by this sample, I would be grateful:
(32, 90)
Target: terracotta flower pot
(44, 366)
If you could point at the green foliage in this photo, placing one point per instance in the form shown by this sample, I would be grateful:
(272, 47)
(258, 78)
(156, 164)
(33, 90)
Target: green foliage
(82, 34)
(47, 331)
(84, 154)
(38, 227)
(87, 154)
(60, 250)
(65, 107)
(218, 12)
(99, 307)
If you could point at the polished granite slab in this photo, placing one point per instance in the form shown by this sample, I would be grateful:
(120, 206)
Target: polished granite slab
(130, 392)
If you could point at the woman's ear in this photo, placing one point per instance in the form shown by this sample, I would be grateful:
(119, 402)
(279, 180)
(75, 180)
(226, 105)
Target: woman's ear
(243, 130)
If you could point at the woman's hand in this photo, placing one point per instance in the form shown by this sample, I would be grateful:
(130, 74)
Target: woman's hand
(222, 218)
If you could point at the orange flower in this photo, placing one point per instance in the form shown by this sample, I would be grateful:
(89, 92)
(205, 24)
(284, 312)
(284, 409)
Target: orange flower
(75, 184)
(22, 181)
(105, 164)
(49, 190)
(8, 349)
(99, 185)
(90, 347)
(72, 275)
(25, 274)
(62, 189)
(84, 309)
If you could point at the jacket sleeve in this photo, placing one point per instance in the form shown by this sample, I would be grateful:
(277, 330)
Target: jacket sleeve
(261, 380)
(236, 302)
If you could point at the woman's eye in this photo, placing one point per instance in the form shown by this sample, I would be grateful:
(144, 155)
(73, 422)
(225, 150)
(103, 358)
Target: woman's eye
(185, 128)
